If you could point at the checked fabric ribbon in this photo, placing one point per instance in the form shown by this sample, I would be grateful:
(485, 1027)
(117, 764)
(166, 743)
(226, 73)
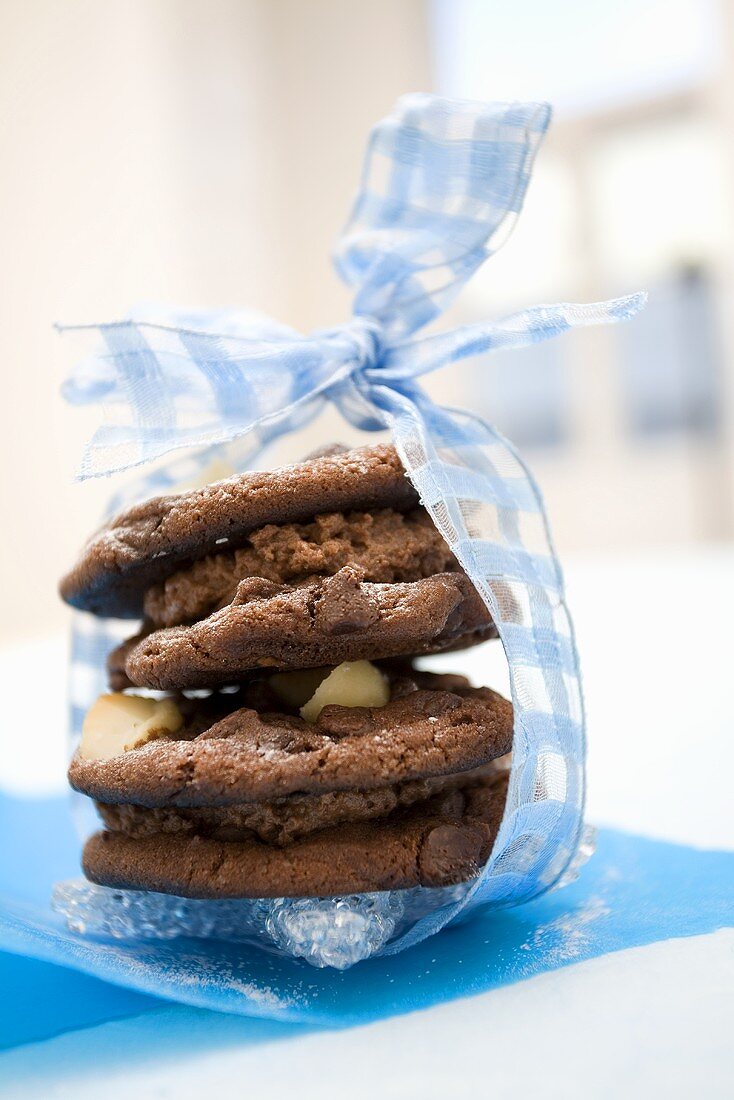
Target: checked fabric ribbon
(442, 185)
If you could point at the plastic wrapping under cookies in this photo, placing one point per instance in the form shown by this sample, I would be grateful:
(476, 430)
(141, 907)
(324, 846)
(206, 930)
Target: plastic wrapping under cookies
(268, 762)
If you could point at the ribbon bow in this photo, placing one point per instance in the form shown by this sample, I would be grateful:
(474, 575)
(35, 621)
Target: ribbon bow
(442, 185)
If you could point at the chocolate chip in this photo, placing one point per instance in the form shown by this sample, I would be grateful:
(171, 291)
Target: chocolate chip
(451, 853)
(255, 588)
(344, 607)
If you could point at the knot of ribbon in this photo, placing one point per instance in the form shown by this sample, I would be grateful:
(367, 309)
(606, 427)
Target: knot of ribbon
(368, 341)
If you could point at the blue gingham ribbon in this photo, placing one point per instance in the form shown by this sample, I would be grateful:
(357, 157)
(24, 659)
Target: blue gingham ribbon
(442, 185)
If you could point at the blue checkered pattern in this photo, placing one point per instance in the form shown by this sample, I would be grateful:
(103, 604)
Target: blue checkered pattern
(442, 185)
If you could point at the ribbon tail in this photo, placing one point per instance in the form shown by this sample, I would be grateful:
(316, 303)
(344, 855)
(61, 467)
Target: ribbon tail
(488, 508)
(411, 359)
(165, 388)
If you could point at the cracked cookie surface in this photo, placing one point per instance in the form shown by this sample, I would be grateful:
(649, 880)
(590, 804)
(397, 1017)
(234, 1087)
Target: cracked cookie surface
(333, 619)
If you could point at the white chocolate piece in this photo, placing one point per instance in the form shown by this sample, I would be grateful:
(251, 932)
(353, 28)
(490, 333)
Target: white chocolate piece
(296, 688)
(351, 684)
(117, 723)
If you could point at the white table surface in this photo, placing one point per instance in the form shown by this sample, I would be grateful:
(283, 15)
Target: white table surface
(654, 634)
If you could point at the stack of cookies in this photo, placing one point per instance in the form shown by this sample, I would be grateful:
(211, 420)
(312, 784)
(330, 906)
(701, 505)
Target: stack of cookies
(267, 733)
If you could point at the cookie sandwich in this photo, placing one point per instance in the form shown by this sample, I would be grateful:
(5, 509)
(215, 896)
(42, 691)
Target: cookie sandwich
(267, 733)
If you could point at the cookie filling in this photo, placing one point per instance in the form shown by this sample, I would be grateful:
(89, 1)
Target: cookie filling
(281, 821)
(117, 722)
(386, 545)
(250, 746)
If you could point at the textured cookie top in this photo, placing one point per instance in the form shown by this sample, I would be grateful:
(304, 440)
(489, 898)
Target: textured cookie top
(333, 619)
(145, 544)
(250, 755)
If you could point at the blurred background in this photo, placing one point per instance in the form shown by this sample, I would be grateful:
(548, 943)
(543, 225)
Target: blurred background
(178, 151)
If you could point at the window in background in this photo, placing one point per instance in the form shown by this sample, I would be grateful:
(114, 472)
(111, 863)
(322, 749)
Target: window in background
(658, 209)
(669, 360)
(657, 191)
(542, 260)
(581, 55)
(525, 393)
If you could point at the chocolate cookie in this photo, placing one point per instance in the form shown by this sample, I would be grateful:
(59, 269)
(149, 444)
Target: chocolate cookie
(254, 754)
(442, 841)
(301, 769)
(339, 618)
(147, 543)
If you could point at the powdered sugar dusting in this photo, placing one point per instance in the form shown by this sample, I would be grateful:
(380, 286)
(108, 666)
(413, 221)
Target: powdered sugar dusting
(565, 938)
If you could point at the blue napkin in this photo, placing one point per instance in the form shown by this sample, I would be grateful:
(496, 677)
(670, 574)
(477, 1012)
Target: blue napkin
(634, 891)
